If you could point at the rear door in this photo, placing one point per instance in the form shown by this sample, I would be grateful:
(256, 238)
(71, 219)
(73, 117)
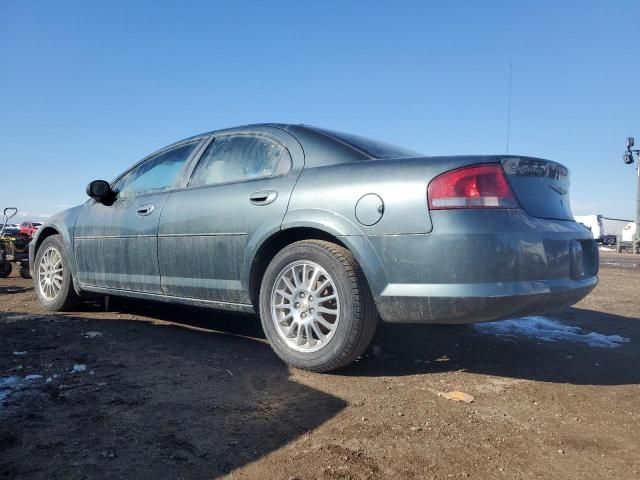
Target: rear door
(238, 192)
(116, 245)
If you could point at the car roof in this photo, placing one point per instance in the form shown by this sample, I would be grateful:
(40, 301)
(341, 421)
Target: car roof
(239, 128)
(321, 146)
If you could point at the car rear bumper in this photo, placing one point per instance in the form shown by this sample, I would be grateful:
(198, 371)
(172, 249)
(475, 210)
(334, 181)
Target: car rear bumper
(472, 303)
(478, 266)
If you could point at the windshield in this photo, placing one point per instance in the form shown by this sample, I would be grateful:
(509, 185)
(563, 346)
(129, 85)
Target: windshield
(372, 148)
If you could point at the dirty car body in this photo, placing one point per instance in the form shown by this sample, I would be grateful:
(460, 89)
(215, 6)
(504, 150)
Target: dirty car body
(455, 239)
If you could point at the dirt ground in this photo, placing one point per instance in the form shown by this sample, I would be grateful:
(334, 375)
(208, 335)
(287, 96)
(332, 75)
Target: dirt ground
(175, 392)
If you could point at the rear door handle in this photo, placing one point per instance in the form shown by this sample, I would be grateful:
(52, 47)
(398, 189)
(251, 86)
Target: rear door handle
(145, 209)
(263, 198)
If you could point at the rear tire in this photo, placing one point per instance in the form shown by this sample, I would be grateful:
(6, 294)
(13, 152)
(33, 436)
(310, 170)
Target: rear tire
(24, 272)
(52, 279)
(5, 269)
(315, 306)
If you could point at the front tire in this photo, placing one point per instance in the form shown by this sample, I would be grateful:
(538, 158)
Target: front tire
(52, 276)
(315, 306)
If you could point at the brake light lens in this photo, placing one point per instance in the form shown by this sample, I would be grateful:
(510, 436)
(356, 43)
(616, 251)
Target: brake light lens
(476, 186)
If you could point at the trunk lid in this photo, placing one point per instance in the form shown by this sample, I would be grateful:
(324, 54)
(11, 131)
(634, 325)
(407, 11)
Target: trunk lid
(541, 186)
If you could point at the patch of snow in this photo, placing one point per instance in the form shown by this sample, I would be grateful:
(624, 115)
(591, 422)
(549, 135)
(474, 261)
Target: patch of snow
(92, 334)
(28, 378)
(20, 353)
(78, 368)
(620, 264)
(14, 318)
(606, 249)
(549, 330)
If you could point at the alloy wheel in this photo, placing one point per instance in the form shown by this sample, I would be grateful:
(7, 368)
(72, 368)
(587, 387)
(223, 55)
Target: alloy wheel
(50, 273)
(305, 307)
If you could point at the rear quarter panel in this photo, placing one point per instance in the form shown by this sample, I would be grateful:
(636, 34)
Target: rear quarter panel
(333, 191)
(325, 198)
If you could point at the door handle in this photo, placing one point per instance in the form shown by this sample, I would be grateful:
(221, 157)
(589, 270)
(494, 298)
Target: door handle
(145, 209)
(263, 198)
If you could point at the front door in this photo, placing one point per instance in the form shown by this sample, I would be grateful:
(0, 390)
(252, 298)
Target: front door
(116, 245)
(238, 191)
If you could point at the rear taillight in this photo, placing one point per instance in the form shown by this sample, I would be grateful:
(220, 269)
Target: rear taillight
(476, 186)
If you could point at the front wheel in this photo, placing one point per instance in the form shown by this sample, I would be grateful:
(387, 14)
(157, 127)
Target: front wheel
(315, 305)
(52, 276)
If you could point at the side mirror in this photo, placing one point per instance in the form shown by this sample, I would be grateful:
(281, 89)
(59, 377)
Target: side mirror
(100, 191)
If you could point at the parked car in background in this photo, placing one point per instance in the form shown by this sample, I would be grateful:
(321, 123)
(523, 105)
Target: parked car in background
(321, 233)
(29, 228)
(10, 231)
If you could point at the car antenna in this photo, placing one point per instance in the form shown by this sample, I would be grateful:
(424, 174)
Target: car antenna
(509, 105)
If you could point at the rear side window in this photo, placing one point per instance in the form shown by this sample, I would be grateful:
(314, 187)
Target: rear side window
(372, 148)
(156, 174)
(240, 157)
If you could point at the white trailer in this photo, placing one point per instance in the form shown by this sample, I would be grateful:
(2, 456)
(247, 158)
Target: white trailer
(628, 232)
(605, 230)
(593, 223)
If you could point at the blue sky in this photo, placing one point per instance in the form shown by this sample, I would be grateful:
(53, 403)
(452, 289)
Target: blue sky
(88, 88)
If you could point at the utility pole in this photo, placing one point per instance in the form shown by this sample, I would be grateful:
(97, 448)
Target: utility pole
(629, 159)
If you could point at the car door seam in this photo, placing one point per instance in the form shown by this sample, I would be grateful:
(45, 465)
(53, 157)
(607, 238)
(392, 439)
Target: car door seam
(295, 183)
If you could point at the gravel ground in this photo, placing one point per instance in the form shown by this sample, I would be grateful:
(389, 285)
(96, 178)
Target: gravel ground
(154, 391)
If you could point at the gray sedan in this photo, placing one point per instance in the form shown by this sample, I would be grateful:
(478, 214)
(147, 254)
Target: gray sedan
(322, 233)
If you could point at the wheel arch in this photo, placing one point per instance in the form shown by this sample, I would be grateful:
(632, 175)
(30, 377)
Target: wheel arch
(276, 242)
(359, 246)
(46, 232)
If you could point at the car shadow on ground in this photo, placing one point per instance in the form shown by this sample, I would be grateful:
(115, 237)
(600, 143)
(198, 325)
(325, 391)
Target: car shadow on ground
(419, 349)
(200, 393)
(155, 399)
(415, 349)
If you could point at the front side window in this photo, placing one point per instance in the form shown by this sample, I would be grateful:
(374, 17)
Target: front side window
(241, 157)
(156, 174)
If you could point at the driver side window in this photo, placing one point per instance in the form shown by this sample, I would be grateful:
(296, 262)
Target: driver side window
(156, 174)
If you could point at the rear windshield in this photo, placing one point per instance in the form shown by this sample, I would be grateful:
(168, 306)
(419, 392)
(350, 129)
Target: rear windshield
(372, 148)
